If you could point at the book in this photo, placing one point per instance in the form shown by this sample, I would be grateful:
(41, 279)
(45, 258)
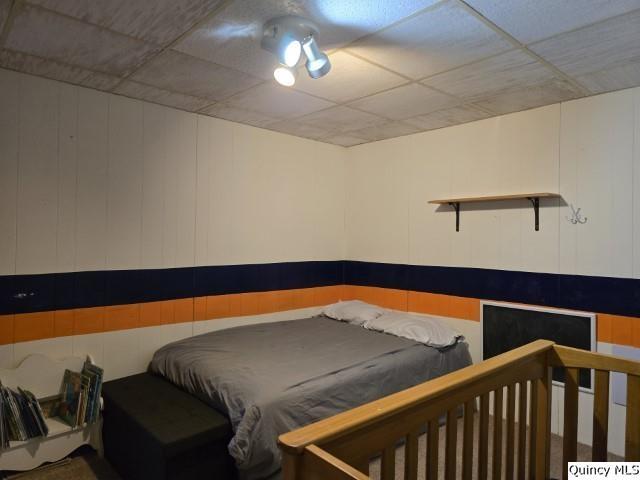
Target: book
(4, 433)
(21, 417)
(20, 432)
(80, 395)
(95, 375)
(70, 396)
(36, 412)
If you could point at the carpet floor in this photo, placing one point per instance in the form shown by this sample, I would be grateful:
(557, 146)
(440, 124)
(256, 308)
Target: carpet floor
(86, 465)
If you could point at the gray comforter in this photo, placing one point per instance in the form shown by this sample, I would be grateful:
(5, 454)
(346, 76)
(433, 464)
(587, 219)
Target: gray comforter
(274, 377)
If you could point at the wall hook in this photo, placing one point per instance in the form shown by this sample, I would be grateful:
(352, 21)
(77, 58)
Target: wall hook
(576, 216)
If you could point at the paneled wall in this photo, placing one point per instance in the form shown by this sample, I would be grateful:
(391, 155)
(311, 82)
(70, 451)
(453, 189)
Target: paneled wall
(93, 182)
(587, 150)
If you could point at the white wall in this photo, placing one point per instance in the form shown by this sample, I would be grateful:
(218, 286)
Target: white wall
(583, 149)
(97, 181)
(94, 181)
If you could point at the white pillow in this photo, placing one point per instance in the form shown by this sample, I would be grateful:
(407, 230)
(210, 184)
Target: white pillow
(428, 330)
(353, 311)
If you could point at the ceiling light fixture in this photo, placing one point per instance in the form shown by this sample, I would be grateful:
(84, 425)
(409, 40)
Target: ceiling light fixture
(287, 37)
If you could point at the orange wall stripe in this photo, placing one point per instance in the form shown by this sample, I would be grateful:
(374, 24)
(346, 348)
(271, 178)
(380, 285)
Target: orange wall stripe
(604, 328)
(63, 323)
(303, 298)
(150, 314)
(200, 308)
(328, 295)
(35, 326)
(465, 308)
(6, 329)
(88, 320)
(167, 313)
(216, 306)
(635, 332)
(621, 330)
(121, 317)
(384, 297)
(429, 303)
(182, 310)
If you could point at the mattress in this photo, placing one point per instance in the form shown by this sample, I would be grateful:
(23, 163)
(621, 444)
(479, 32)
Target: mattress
(271, 378)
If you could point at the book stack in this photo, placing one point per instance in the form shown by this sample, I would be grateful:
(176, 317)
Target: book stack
(21, 417)
(80, 395)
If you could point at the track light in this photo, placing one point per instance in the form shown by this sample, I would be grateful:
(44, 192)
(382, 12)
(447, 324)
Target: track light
(287, 37)
(318, 64)
(285, 75)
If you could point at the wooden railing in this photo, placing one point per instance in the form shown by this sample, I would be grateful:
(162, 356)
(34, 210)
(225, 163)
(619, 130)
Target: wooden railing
(511, 445)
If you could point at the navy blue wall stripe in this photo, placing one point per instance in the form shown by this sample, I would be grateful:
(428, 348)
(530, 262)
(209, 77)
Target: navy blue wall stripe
(58, 291)
(617, 296)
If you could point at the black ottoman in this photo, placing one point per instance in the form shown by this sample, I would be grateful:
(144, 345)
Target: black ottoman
(155, 431)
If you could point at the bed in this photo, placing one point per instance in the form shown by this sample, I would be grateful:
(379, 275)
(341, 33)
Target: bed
(275, 377)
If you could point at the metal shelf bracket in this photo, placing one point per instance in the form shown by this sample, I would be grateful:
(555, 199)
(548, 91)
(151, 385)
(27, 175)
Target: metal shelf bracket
(535, 201)
(456, 207)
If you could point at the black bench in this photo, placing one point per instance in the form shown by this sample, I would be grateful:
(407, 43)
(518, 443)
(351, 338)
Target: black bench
(153, 430)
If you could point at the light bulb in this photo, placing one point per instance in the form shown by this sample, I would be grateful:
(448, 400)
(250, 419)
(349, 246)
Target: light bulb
(292, 53)
(285, 76)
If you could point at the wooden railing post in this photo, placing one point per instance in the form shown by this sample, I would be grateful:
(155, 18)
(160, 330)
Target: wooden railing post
(291, 466)
(541, 438)
(600, 417)
(632, 438)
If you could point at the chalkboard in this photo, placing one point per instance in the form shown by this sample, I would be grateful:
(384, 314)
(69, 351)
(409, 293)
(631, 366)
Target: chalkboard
(505, 328)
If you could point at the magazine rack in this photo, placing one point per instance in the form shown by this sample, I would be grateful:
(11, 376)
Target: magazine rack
(42, 375)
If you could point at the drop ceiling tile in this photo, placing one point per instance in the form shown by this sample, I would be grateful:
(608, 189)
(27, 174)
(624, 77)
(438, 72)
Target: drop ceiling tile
(616, 78)
(43, 67)
(439, 39)
(220, 110)
(159, 21)
(275, 101)
(56, 70)
(530, 97)
(530, 21)
(384, 131)
(405, 102)
(293, 127)
(5, 8)
(163, 97)
(48, 35)
(344, 140)
(448, 117)
(591, 49)
(100, 81)
(184, 74)
(514, 69)
(341, 119)
(232, 37)
(349, 78)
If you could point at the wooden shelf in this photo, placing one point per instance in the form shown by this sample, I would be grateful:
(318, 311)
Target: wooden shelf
(534, 198)
(495, 198)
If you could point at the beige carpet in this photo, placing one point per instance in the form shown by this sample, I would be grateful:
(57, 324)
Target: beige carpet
(86, 465)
